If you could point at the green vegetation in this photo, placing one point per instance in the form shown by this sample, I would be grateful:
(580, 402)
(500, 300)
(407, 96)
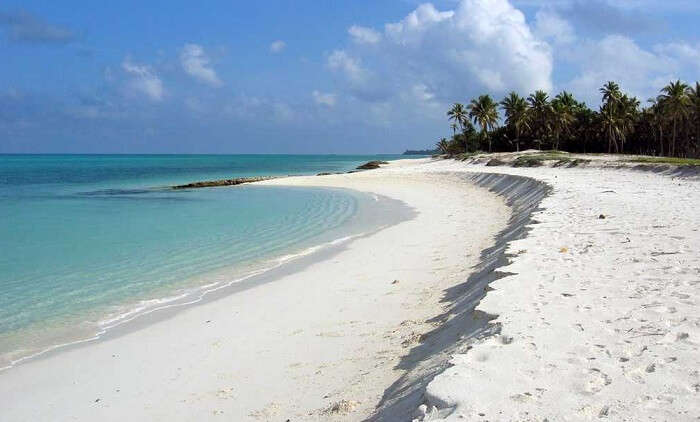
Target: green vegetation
(670, 125)
(667, 160)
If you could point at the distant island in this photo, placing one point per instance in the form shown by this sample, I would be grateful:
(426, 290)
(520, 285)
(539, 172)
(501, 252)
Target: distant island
(421, 152)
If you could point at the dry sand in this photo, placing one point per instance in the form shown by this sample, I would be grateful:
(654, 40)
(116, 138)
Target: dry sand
(319, 343)
(597, 318)
(600, 318)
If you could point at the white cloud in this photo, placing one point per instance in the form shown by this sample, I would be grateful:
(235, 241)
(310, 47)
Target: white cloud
(196, 63)
(143, 80)
(350, 66)
(683, 52)
(416, 23)
(364, 35)
(278, 46)
(261, 109)
(640, 72)
(644, 5)
(549, 25)
(326, 99)
(480, 46)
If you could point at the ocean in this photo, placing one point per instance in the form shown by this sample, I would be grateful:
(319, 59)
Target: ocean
(89, 242)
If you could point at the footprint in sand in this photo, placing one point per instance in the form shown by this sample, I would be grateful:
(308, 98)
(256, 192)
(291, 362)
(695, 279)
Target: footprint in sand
(593, 382)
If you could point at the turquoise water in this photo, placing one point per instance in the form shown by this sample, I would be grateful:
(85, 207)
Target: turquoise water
(90, 241)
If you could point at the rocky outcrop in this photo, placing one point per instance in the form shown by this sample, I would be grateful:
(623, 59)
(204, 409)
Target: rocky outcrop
(223, 182)
(371, 165)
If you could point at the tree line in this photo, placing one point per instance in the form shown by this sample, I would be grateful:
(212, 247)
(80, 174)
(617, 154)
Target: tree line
(668, 126)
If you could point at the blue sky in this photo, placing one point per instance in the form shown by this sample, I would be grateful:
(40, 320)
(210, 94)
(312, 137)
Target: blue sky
(311, 76)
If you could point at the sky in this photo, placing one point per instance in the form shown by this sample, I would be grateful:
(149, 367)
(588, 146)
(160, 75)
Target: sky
(303, 76)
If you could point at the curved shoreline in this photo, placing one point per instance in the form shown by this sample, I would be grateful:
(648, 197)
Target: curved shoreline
(139, 316)
(328, 334)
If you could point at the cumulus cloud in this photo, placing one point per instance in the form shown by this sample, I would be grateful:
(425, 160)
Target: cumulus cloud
(25, 27)
(326, 99)
(640, 71)
(143, 80)
(481, 45)
(278, 46)
(350, 66)
(196, 63)
(549, 25)
(364, 35)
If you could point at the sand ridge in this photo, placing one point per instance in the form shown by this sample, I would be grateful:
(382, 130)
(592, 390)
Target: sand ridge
(600, 319)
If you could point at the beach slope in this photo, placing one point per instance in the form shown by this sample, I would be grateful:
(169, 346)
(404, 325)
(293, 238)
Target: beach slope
(318, 340)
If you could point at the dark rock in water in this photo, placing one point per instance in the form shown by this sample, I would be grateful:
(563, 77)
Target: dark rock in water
(371, 165)
(495, 162)
(224, 182)
(324, 174)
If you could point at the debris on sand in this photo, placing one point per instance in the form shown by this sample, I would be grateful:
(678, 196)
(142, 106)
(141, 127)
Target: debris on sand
(342, 407)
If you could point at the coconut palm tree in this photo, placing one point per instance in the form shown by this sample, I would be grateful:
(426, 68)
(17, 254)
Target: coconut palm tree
(611, 92)
(694, 94)
(458, 115)
(567, 100)
(610, 114)
(541, 111)
(484, 112)
(562, 117)
(628, 111)
(443, 146)
(453, 126)
(657, 120)
(610, 125)
(517, 115)
(676, 106)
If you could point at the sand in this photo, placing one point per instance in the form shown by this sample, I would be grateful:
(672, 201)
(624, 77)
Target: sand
(320, 342)
(600, 318)
(591, 314)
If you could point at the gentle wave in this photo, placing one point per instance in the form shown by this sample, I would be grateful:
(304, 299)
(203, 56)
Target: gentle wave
(180, 299)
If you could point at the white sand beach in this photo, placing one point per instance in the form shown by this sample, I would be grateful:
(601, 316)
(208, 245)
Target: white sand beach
(599, 319)
(594, 315)
(328, 333)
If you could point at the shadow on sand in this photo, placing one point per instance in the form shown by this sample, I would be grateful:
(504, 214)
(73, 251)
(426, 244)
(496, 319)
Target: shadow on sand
(460, 324)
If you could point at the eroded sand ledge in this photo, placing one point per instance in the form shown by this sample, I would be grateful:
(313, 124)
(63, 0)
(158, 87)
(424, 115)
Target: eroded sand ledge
(330, 333)
(598, 316)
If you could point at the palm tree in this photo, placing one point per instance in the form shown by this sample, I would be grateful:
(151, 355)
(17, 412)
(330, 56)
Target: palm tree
(610, 125)
(628, 109)
(540, 110)
(611, 92)
(453, 126)
(484, 112)
(567, 100)
(657, 120)
(517, 116)
(443, 146)
(458, 114)
(676, 106)
(562, 118)
(610, 114)
(694, 94)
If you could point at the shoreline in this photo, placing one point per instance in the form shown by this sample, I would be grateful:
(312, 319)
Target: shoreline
(346, 352)
(580, 304)
(135, 318)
